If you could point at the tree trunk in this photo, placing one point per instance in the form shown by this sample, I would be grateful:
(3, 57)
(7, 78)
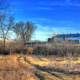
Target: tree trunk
(4, 42)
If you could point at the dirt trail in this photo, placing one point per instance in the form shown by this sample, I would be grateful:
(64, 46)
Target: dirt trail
(19, 67)
(59, 74)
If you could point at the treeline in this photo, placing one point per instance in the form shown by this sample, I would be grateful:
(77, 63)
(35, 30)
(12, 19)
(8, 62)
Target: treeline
(63, 50)
(23, 30)
(58, 50)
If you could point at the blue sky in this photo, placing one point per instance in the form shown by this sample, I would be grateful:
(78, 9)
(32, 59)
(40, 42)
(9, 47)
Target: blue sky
(50, 16)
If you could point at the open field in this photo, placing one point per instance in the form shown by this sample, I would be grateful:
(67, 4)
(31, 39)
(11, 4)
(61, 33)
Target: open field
(52, 62)
(30, 67)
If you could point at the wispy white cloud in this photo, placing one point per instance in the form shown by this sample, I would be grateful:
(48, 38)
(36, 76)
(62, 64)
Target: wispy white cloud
(52, 22)
(43, 8)
(59, 3)
(44, 32)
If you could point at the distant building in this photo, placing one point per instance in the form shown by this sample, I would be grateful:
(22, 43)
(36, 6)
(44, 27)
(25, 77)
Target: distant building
(72, 38)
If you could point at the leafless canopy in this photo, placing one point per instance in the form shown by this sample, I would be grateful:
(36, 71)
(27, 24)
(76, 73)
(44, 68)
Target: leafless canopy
(24, 31)
(6, 24)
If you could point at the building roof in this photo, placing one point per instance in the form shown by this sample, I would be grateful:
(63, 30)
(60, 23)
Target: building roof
(75, 35)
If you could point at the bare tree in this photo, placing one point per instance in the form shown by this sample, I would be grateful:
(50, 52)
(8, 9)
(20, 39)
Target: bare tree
(6, 24)
(24, 31)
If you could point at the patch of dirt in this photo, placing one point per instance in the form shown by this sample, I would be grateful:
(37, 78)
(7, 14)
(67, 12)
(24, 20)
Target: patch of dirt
(18, 67)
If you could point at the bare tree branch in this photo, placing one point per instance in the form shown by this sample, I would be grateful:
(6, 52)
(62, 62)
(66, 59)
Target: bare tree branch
(24, 31)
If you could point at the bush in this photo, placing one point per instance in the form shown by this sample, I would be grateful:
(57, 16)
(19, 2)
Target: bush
(4, 51)
(40, 51)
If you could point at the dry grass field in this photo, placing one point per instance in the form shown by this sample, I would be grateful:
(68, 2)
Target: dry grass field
(39, 67)
(30, 67)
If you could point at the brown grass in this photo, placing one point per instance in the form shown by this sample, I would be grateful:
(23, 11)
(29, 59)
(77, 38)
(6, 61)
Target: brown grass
(41, 65)
(17, 67)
